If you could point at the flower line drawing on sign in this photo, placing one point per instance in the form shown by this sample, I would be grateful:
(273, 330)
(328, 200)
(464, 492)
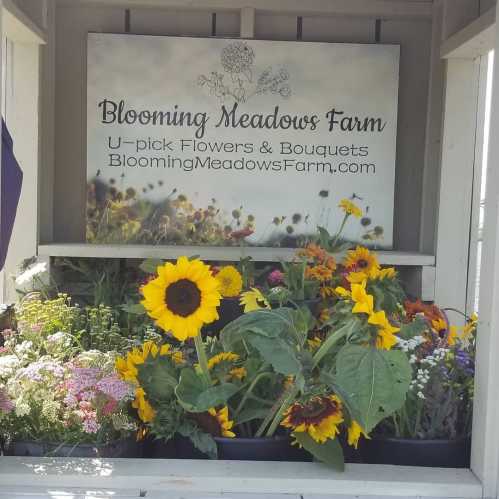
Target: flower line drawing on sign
(237, 59)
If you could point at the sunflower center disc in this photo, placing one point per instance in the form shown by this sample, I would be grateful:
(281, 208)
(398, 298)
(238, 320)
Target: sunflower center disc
(183, 297)
(362, 264)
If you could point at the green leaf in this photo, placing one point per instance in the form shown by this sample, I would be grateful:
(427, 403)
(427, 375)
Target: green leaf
(150, 265)
(373, 383)
(414, 328)
(276, 352)
(269, 323)
(194, 397)
(157, 377)
(202, 441)
(251, 413)
(330, 452)
(134, 308)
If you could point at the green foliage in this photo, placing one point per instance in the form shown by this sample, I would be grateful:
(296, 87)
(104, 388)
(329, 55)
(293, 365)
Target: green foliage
(158, 377)
(204, 442)
(193, 395)
(372, 383)
(330, 452)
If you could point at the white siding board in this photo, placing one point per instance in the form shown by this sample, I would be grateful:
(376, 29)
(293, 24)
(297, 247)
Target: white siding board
(73, 24)
(339, 29)
(415, 43)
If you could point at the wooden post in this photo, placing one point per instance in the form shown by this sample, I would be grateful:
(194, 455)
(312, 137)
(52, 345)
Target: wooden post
(485, 451)
(247, 22)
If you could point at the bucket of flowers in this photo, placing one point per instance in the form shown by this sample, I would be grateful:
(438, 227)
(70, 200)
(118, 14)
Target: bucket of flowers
(275, 375)
(433, 427)
(57, 399)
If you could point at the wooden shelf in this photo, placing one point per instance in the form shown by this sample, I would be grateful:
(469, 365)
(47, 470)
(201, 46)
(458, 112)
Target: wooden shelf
(396, 258)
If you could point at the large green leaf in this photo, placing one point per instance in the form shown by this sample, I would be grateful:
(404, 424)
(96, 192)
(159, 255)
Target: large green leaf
(201, 440)
(267, 323)
(276, 352)
(195, 397)
(251, 413)
(373, 383)
(158, 378)
(330, 452)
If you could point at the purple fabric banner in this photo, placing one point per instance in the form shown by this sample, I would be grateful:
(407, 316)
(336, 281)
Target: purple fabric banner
(11, 183)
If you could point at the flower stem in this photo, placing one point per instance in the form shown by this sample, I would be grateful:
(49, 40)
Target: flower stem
(277, 418)
(338, 234)
(329, 343)
(250, 390)
(203, 361)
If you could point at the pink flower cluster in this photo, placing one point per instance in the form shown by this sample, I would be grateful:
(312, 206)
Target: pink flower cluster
(6, 405)
(88, 389)
(275, 278)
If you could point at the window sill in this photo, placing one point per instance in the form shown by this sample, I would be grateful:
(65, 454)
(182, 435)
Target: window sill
(302, 479)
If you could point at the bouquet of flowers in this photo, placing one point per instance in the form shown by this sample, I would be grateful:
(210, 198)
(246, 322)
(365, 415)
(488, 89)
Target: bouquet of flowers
(273, 370)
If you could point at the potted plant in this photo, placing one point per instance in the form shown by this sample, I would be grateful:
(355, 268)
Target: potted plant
(433, 427)
(56, 398)
(273, 376)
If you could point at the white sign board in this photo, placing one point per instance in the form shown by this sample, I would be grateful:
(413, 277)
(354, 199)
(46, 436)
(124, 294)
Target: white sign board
(193, 140)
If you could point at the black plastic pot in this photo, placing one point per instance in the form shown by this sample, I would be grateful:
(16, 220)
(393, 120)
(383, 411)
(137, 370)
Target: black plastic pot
(119, 448)
(407, 452)
(246, 449)
(229, 310)
(158, 449)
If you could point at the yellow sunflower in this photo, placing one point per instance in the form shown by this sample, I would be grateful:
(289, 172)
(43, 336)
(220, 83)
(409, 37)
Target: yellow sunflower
(361, 260)
(382, 274)
(253, 300)
(386, 338)
(350, 208)
(222, 357)
(222, 421)
(452, 336)
(182, 298)
(144, 409)
(354, 433)
(238, 372)
(230, 281)
(319, 417)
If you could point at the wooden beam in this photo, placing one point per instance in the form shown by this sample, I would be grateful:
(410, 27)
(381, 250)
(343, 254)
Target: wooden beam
(474, 40)
(18, 27)
(366, 8)
(485, 447)
(247, 22)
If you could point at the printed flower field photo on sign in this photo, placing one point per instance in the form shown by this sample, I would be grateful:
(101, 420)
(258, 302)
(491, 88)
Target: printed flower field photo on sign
(254, 143)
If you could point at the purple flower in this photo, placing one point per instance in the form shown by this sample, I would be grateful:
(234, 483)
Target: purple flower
(275, 278)
(36, 370)
(90, 425)
(83, 378)
(113, 387)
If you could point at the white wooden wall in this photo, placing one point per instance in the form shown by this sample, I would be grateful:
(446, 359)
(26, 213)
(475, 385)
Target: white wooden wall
(74, 21)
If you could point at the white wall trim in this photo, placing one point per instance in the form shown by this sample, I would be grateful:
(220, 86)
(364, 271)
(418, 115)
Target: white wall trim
(18, 27)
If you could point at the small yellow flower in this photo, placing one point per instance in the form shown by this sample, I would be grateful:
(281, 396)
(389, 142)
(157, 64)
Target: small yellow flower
(342, 292)
(354, 433)
(439, 325)
(364, 303)
(361, 260)
(386, 338)
(253, 300)
(314, 343)
(238, 372)
(452, 336)
(350, 208)
(222, 357)
(144, 409)
(381, 274)
(222, 418)
(230, 281)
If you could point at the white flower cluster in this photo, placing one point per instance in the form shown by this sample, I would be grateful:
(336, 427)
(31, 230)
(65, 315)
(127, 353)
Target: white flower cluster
(437, 356)
(422, 378)
(410, 344)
